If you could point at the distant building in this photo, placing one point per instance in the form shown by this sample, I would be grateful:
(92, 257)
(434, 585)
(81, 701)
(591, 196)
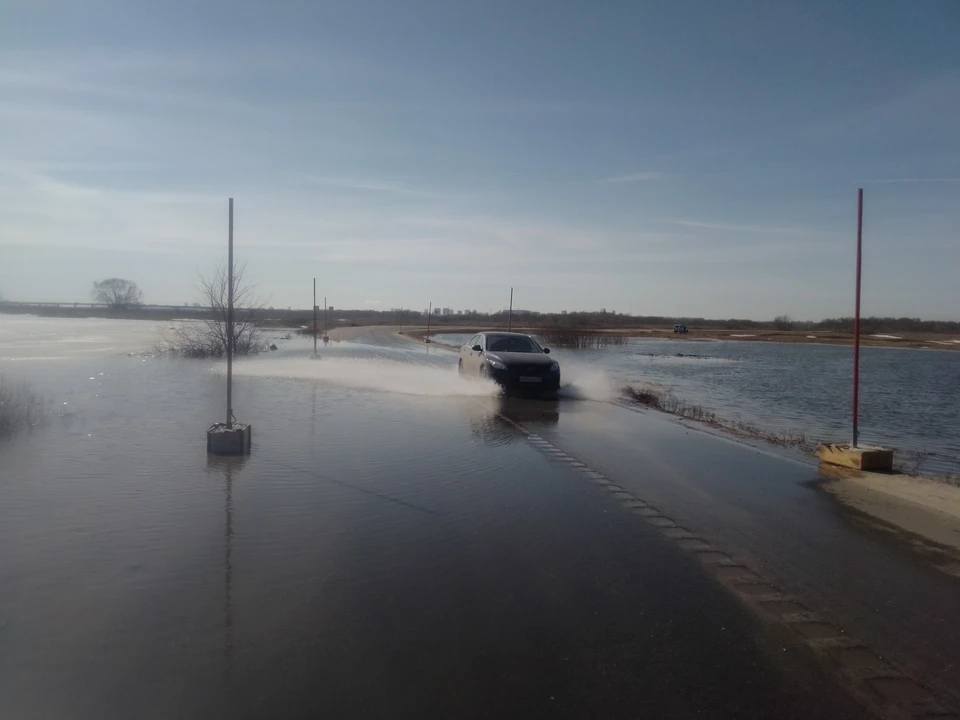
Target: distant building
(436, 311)
(563, 312)
(330, 308)
(459, 312)
(447, 311)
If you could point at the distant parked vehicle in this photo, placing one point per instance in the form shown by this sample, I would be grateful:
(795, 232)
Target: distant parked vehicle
(680, 329)
(512, 360)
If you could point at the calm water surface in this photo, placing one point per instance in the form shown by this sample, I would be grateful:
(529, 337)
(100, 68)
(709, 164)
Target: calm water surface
(141, 579)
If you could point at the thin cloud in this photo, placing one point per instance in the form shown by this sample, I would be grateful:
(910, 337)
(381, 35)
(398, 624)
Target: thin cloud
(371, 302)
(914, 180)
(632, 178)
(374, 185)
(742, 228)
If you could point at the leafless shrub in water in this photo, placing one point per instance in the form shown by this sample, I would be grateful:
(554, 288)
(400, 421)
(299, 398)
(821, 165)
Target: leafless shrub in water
(207, 337)
(667, 402)
(20, 407)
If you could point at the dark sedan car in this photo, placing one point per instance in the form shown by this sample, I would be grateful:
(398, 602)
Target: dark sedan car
(513, 360)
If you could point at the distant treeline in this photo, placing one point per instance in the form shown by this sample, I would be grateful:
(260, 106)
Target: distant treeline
(886, 325)
(290, 317)
(613, 321)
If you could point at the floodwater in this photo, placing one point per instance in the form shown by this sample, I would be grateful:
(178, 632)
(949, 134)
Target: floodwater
(390, 549)
(909, 399)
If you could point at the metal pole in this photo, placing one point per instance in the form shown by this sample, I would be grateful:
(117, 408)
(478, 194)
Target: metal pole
(429, 313)
(856, 320)
(510, 317)
(314, 317)
(230, 323)
(325, 326)
(401, 320)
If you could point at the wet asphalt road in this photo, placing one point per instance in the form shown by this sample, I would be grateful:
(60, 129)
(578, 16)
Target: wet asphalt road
(400, 555)
(767, 512)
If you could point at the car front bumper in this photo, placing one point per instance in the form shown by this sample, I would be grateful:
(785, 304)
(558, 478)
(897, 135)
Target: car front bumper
(512, 378)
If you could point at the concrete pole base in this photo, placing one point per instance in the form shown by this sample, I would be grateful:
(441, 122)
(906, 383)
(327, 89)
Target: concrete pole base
(222, 440)
(859, 458)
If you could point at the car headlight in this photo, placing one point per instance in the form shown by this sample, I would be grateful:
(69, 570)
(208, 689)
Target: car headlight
(496, 364)
(554, 366)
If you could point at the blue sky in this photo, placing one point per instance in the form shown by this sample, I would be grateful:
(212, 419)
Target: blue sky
(679, 158)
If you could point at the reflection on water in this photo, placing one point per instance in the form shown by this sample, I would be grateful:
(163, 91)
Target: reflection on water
(137, 567)
(494, 420)
(226, 466)
(27, 338)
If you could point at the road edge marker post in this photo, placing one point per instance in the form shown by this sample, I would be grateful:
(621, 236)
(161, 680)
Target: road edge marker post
(853, 455)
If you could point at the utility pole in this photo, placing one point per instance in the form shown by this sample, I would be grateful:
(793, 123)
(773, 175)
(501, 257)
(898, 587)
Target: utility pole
(429, 313)
(401, 320)
(230, 322)
(510, 316)
(326, 326)
(229, 438)
(856, 320)
(314, 317)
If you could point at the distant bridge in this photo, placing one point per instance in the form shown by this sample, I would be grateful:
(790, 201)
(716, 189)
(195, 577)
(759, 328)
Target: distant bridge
(104, 306)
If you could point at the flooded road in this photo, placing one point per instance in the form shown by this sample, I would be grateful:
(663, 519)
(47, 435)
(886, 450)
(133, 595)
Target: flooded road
(909, 398)
(395, 546)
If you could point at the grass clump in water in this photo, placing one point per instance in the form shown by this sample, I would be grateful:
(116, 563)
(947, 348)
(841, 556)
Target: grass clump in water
(579, 338)
(667, 402)
(20, 407)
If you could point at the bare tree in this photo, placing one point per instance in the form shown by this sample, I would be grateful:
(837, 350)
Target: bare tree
(117, 293)
(208, 336)
(783, 322)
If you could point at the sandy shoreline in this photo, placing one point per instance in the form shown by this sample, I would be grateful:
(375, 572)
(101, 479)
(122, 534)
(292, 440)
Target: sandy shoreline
(926, 510)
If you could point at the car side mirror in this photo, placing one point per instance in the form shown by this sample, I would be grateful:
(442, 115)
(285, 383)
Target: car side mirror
(546, 351)
(477, 348)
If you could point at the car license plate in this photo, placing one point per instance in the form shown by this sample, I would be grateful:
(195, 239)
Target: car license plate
(531, 379)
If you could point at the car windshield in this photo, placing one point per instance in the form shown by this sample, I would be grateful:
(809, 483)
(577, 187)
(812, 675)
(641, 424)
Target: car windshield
(512, 343)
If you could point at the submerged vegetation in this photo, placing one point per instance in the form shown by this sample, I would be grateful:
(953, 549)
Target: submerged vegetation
(667, 402)
(579, 338)
(20, 407)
